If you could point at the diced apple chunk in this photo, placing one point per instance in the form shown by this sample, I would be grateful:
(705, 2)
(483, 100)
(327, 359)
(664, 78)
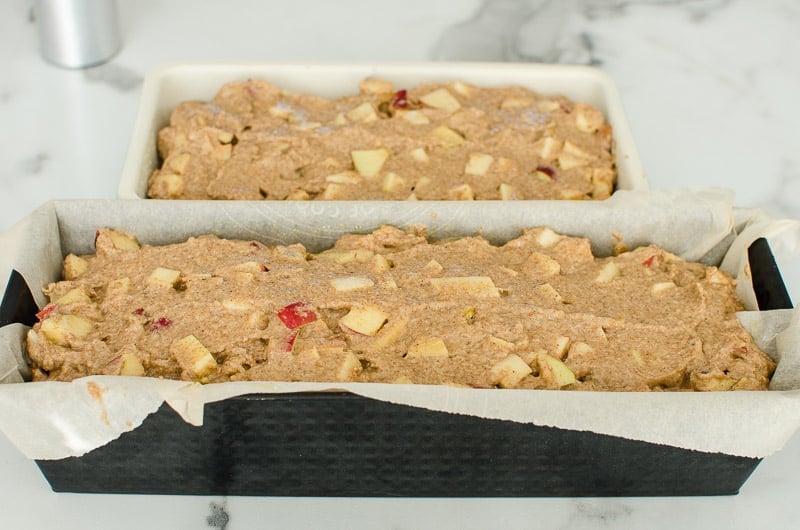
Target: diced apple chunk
(569, 161)
(371, 85)
(366, 320)
(602, 189)
(580, 349)
(347, 256)
(163, 277)
(554, 372)
(118, 287)
(369, 162)
(345, 177)
(419, 155)
(253, 267)
(572, 149)
(340, 120)
(349, 368)
(462, 88)
(547, 291)
(447, 136)
(717, 277)
(715, 381)
(393, 182)
(179, 162)
(333, 191)
(546, 238)
(547, 148)
(423, 181)
(131, 365)
(379, 264)
(428, 347)
(442, 99)
(298, 195)
(414, 116)
(502, 344)
(571, 194)
(193, 356)
(510, 371)
(74, 267)
(479, 286)
(508, 192)
(351, 283)
(64, 329)
(77, 295)
(462, 192)
(516, 103)
(661, 287)
(121, 240)
(609, 271)
(561, 346)
(389, 334)
(169, 184)
(478, 164)
(540, 264)
(433, 267)
(364, 113)
(587, 118)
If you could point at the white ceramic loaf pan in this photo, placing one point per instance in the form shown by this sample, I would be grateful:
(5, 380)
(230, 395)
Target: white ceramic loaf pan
(168, 85)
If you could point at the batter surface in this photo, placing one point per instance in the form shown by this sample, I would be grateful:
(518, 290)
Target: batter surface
(538, 312)
(449, 141)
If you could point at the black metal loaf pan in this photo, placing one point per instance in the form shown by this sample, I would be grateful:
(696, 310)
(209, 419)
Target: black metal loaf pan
(340, 444)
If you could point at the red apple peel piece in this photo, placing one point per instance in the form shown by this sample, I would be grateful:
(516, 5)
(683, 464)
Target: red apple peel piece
(296, 314)
(46, 311)
(550, 172)
(160, 323)
(652, 261)
(288, 345)
(400, 99)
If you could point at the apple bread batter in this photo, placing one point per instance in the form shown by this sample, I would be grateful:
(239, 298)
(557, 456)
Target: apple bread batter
(449, 141)
(538, 312)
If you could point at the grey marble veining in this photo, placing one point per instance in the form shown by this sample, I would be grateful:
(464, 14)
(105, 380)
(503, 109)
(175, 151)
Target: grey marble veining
(699, 79)
(549, 31)
(115, 76)
(218, 517)
(593, 513)
(508, 30)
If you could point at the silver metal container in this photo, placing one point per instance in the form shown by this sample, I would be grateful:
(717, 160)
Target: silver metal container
(78, 33)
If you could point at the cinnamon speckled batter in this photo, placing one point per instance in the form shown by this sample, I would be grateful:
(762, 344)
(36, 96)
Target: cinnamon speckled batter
(448, 141)
(538, 312)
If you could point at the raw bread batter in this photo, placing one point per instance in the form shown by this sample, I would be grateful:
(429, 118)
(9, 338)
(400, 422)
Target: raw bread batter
(538, 312)
(431, 142)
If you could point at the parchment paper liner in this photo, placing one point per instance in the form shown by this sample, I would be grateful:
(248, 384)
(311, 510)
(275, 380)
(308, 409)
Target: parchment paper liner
(54, 420)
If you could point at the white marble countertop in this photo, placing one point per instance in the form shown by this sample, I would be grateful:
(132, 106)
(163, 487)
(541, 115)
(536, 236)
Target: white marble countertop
(710, 88)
